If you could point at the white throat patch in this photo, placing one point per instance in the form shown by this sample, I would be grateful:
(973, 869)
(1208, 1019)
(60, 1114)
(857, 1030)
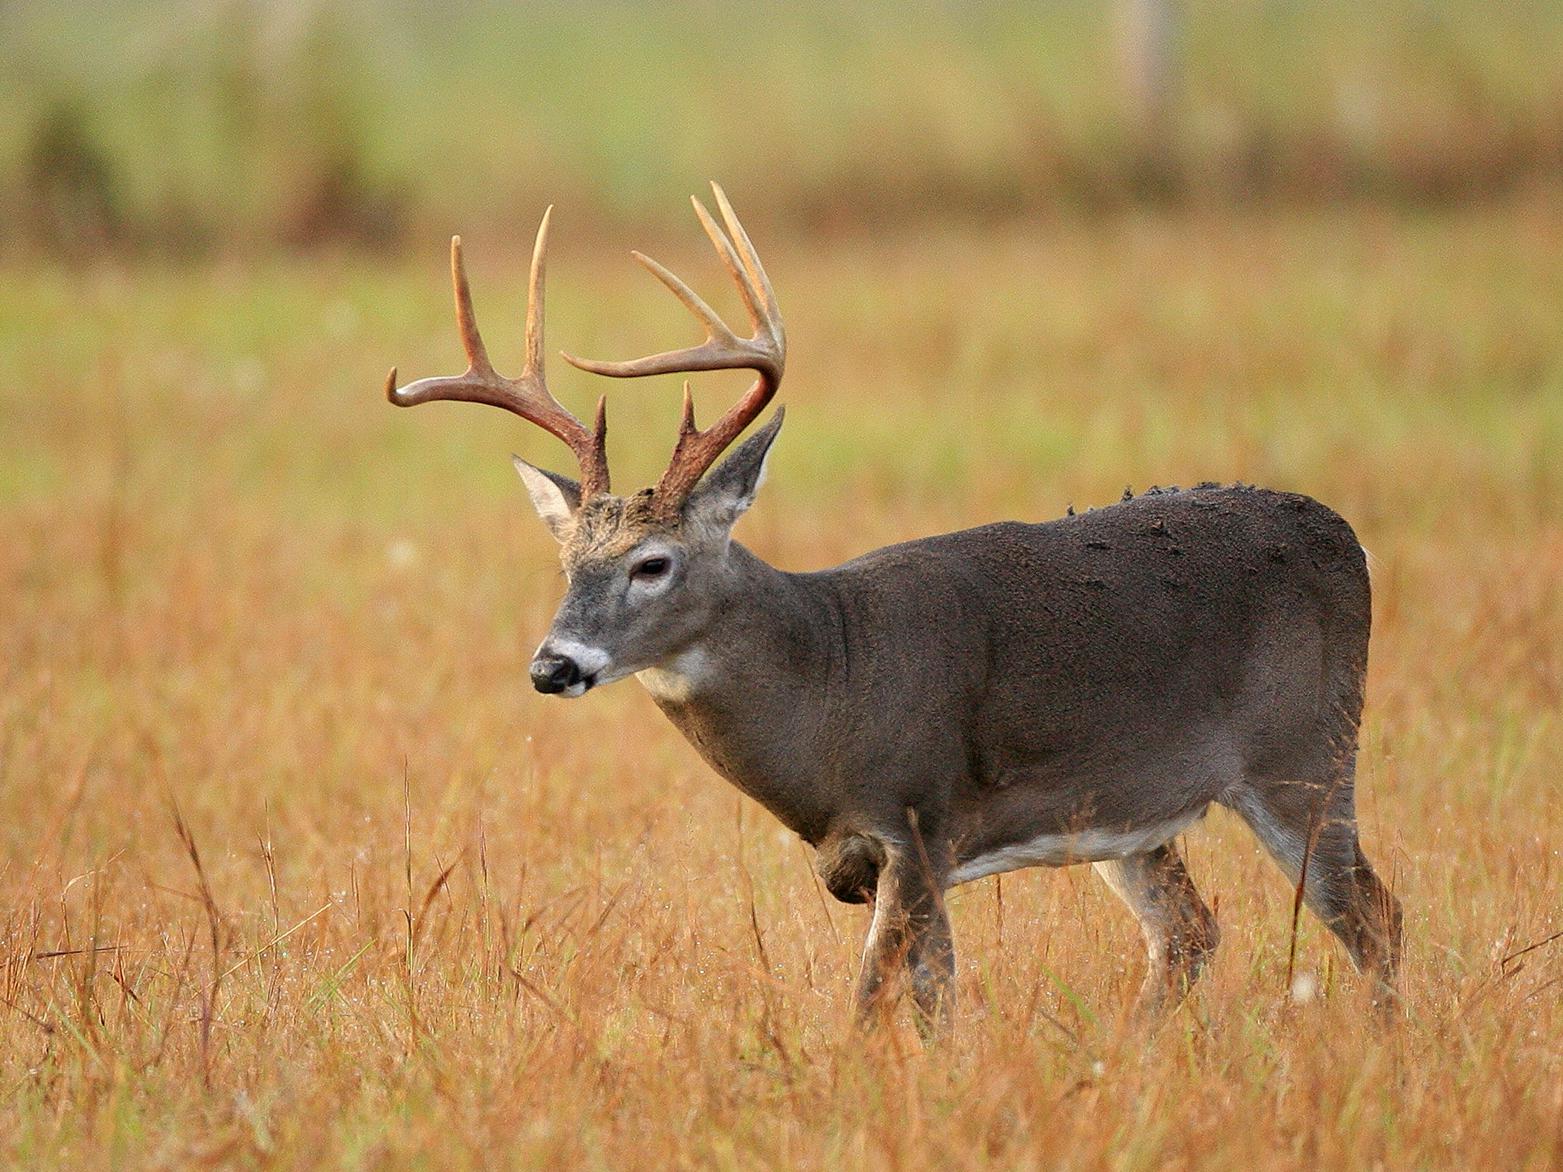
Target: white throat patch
(679, 678)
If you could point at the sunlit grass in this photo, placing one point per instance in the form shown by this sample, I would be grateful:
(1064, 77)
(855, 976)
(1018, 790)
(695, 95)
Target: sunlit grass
(461, 923)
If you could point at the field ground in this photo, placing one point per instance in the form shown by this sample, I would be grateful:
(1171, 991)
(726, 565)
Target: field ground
(438, 919)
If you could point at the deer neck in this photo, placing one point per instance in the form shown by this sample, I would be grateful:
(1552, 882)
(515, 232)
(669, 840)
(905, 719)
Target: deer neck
(751, 693)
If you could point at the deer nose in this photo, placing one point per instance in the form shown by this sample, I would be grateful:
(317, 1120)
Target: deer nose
(554, 673)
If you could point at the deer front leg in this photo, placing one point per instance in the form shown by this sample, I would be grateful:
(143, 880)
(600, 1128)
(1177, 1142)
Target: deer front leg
(911, 932)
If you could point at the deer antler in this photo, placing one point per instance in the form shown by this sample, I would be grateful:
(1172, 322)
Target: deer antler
(765, 352)
(528, 395)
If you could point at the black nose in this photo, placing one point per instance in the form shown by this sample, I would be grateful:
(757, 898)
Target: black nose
(554, 673)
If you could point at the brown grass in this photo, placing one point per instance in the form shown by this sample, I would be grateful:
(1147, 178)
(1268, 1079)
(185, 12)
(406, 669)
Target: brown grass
(297, 870)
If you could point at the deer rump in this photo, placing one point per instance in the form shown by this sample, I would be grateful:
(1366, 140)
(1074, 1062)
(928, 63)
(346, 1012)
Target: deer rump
(1084, 688)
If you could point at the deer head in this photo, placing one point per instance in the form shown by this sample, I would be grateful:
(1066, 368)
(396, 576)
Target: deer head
(646, 572)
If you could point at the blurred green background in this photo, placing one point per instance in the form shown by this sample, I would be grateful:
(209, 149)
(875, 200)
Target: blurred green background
(240, 125)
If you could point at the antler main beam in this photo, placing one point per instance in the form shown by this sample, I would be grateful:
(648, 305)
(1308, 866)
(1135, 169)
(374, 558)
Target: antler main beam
(765, 352)
(527, 395)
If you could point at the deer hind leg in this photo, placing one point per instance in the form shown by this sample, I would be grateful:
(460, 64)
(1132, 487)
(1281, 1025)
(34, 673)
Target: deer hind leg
(1312, 827)
(1180, 932)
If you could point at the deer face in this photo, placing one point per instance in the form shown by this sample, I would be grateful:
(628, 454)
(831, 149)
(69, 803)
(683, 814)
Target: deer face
(643, 588)
(646, 572)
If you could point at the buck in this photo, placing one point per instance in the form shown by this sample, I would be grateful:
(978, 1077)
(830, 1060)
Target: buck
(1014, 695)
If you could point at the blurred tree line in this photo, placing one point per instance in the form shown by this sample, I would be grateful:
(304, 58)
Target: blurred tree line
(189, 127)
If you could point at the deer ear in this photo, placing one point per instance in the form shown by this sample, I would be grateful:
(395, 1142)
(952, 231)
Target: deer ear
(723, 496)
(554, 497)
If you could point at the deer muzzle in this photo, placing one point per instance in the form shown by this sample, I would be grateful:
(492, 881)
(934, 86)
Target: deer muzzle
(567, 666)
(555, 673)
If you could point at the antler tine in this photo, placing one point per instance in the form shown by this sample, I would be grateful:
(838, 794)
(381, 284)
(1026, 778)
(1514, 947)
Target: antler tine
(534, 298)
(715, 326)
(751, 258)
(528, 395)
(735, 267)
(765, 352)
(466, 320)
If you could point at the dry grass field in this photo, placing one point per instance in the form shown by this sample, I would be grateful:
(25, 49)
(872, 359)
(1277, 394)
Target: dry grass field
(295, 868)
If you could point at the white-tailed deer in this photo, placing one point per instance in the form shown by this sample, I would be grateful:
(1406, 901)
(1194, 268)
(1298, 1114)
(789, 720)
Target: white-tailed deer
(1013, 695)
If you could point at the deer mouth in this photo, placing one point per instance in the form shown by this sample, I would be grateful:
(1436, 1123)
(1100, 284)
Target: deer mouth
(596, 679)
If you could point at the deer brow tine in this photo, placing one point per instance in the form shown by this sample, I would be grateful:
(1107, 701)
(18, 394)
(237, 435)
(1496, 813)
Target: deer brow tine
(735, 267)
(746, 250)
(534, 297)
(715, 326)
(466, 320)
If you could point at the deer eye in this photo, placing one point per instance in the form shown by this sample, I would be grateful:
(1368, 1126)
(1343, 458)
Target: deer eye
(652, 567)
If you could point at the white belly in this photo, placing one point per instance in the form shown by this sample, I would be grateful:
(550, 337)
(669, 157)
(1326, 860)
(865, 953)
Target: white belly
(1060, 850)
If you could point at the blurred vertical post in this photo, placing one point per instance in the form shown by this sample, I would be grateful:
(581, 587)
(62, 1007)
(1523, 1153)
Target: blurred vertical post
(1150, 60)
